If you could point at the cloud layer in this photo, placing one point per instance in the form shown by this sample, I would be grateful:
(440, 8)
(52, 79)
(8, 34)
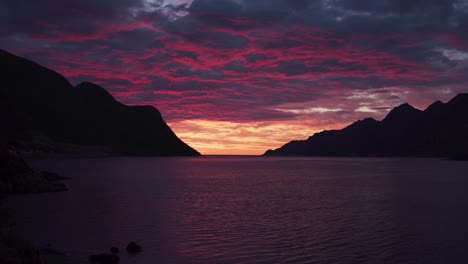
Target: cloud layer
(250, 75)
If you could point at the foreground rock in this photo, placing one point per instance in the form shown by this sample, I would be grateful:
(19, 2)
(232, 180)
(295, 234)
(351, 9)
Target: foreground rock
(134, 248)
(17, 177)
(114, 250)
(104, 259)
(14, 250)
(52, 256)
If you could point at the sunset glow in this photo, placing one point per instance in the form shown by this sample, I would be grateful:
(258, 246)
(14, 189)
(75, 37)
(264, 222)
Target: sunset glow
(224, 137)
(241, 77)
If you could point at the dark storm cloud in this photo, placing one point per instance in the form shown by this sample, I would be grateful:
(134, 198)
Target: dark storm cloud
(437, 8)
(51, 16)
(292, 67)
(138, 39)
(237, 66)
(386, 14)
(253, 57)
(206, 75)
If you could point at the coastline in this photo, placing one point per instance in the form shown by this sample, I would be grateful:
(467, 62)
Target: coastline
(17, 178)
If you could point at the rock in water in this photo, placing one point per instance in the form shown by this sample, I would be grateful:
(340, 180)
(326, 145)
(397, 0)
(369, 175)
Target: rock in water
(134, 248)
(17, 177)
(104, 259)
(114, 250)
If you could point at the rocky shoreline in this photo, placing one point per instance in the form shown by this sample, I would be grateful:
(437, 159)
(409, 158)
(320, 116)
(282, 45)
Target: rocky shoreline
(16, 177)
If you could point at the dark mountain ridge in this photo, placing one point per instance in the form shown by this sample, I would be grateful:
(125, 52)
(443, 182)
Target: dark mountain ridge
(38, 102)
(441, 130)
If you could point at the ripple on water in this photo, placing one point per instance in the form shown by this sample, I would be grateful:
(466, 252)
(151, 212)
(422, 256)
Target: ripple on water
(256, 210)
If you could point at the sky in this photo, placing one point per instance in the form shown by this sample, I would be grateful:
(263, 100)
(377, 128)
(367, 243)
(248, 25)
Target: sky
(244, 76)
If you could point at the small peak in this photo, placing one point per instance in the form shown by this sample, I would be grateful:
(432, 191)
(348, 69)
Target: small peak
(437, 103)
(433, 106)
(366, 122)
(402, 112)
(369, 120)
(462, 97)
(86, 85)
(404, 107)
(94, 90)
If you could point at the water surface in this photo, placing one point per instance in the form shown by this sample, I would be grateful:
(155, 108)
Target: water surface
(255, 209)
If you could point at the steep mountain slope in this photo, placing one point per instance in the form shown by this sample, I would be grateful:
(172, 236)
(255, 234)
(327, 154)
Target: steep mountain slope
(38, 102)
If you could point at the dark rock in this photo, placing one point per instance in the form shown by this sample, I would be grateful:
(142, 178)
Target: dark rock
(51, 251)
(17, 177)
(50, 176)
(134, 248)
(114, 250)
(104, 259)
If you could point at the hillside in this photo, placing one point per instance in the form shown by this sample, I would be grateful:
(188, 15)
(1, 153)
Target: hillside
(441, 130)
(38, 103)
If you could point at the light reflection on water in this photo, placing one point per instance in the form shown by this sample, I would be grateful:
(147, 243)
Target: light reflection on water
(255, 209)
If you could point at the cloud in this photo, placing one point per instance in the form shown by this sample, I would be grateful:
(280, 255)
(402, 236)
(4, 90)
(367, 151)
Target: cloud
(365, 109)
(454, 55)
(325, 62)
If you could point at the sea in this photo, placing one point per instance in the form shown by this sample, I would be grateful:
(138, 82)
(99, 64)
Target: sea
(248, 209)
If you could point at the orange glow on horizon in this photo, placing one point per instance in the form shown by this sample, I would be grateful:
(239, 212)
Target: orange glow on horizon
(249, 138)
(215, 137)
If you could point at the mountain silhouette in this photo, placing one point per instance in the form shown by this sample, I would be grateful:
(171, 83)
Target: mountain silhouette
(36, 102)
(441, 130)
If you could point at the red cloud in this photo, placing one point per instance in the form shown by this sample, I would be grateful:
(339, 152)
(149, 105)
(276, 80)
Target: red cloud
(245, 70)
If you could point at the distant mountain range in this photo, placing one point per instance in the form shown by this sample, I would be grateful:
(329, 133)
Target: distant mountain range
(439, 131)
(38, 103)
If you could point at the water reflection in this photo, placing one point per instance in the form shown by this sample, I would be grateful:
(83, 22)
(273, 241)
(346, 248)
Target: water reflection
(256, 210)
